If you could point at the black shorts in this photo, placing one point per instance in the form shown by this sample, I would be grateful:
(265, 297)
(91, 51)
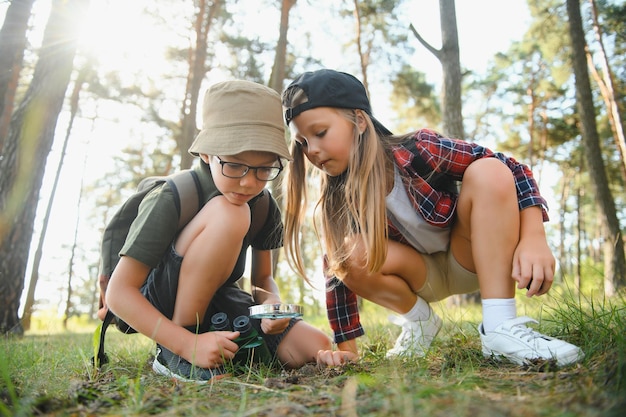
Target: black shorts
(161, 287)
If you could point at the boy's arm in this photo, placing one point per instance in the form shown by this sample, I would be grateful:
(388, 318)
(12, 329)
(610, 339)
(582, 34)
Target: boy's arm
(127, 302)
(264, 288)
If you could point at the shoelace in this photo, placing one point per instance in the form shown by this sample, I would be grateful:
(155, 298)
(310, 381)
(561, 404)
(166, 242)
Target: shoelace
(525, 333)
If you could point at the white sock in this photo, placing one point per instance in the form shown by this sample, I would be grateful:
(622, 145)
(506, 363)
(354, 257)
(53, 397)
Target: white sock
(419, 312)
(496, 311)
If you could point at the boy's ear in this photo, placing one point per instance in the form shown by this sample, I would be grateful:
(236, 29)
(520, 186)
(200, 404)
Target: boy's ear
(206, 158)
(361, 123)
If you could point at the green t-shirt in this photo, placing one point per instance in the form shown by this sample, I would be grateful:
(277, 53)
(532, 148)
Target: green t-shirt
(155, 227)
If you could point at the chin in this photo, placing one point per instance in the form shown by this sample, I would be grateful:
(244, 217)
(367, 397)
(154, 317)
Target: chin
(332, 172)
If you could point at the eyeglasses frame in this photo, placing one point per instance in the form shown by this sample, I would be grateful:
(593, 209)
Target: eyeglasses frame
(248, 168)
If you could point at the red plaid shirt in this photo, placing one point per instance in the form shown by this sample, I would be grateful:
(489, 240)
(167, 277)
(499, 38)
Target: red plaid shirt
(447, 159)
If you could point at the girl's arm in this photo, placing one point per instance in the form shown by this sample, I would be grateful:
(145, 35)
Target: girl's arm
(533, 258)
(346, 352)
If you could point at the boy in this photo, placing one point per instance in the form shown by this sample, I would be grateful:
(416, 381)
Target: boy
(168, 285)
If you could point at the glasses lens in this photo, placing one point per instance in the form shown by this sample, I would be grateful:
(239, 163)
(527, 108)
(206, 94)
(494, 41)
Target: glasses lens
(233, 170)
(267, 173)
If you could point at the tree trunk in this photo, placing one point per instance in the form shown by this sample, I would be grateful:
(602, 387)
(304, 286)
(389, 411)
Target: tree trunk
(579, 233)
(451, 66)
(28, 144)
(363, 55)
(277, 78)
(197, 71)
(12, 46)
(34, 277)
(562, 257)
(607, 89)
(450, 60)
(615, 273)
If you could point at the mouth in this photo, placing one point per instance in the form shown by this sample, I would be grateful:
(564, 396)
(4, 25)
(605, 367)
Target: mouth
(241, 197)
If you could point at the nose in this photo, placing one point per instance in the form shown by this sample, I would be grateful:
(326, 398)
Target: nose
(312, 147)
(249, 180)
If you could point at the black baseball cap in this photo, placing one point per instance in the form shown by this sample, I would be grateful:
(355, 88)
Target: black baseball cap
(330, 88)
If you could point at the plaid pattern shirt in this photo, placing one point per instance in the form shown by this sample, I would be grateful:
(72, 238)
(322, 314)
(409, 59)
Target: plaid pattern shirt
(440, 159)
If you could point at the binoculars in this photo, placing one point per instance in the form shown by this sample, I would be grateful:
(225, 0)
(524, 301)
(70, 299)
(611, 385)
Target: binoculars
(248, 336)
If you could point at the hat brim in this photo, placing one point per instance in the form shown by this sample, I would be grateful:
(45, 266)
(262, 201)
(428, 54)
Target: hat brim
(227, 141)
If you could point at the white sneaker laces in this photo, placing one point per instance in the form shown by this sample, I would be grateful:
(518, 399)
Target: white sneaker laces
(524, 333)
(519, 329)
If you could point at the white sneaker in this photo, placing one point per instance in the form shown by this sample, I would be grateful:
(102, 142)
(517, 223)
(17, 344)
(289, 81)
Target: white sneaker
(521, 345)
(416, 336)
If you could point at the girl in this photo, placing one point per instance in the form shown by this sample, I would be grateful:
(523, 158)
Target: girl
(398, 233)
(168, 285)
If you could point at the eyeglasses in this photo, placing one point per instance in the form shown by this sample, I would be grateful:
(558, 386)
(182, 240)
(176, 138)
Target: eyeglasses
(235, 170)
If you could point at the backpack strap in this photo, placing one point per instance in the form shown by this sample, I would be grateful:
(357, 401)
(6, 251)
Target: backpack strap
(188, 197)
(259, 213)
(188, 192)
(101, 358)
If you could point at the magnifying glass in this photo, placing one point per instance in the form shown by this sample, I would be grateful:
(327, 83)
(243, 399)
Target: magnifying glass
(275, 311)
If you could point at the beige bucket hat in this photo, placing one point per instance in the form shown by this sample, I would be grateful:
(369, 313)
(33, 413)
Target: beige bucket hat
(241, 116)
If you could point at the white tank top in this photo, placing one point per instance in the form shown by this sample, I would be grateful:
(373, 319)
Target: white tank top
(424, 237)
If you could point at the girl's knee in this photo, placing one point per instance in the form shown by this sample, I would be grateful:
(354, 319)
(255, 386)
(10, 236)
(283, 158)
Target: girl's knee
(489, 174)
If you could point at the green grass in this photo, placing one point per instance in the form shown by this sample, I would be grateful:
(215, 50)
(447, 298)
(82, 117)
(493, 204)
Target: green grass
(50, 373)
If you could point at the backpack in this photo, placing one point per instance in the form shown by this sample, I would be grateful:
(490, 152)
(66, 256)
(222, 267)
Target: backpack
(188, 198)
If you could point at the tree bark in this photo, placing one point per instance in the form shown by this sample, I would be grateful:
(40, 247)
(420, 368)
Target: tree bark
(12, 46)
(277, 78)
(615, 270)
(34, 276)
(450, 60)
(197, 71)
(29, 141)
(606, 84)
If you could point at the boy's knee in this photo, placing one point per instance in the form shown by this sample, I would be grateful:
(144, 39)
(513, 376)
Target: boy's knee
(235, 219)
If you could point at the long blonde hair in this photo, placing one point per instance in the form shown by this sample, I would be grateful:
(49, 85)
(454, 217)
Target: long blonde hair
(351, 206)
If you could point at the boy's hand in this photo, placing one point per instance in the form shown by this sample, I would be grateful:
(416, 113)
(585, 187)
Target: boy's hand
(212, 348)
(274, 326)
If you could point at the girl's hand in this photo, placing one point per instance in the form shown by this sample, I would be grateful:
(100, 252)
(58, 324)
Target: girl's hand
(212, 349)
(274, 326)
(335, 357)
(533, 265)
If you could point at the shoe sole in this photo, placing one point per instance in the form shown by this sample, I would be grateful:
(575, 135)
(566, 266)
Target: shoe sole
(163, 370)
(564, 360)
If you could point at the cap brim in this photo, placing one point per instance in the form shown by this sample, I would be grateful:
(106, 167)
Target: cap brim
(380, 128)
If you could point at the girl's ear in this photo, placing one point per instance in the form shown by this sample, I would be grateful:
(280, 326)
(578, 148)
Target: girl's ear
(206, 158)
(361, 123)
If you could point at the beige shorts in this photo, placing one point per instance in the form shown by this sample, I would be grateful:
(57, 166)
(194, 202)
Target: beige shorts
(445, 277)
